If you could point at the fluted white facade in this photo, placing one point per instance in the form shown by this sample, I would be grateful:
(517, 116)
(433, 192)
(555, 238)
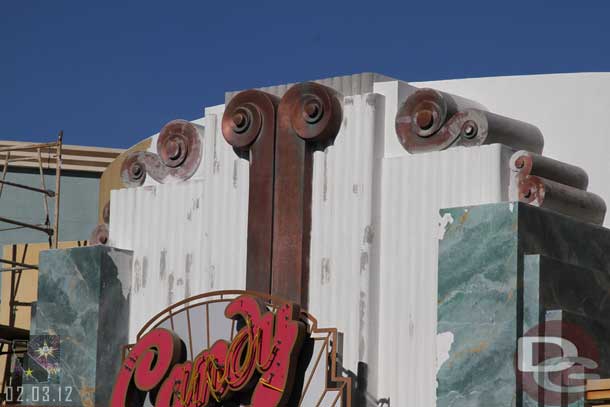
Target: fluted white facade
(375, 223)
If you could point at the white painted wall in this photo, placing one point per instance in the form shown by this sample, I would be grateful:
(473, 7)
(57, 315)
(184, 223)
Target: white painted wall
(190, 237)
(346, 195)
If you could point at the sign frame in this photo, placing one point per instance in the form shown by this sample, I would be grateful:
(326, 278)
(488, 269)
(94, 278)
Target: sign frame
(327, 357)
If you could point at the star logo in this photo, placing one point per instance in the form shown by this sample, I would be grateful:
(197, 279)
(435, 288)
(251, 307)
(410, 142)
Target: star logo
(45, 351)
(29, 373)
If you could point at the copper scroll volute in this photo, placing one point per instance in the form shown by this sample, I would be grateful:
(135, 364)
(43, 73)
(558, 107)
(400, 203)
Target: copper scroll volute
(100, 233)
(99, 236)
(133, 170)
(552, 184)
(106, 213)
(250, 115)
(579, 204)
(421, 120)
(179, 152)
(430, 120)
(249, 125)
(309, 117)
(524, 163)
(179, 146)
(478, 127)
(311, 111)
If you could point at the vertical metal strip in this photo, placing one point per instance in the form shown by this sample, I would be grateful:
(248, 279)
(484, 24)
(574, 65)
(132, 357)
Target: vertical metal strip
(290, 254)
(309, 117)
(44, 187)
(248, 124)
(57, 188)
(207, 325)
(188, 321)
(4, 170)
(11, 321)
(313, 369)
(6, 368)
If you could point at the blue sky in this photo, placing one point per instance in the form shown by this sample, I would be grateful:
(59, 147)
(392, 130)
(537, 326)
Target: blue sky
(112, 73)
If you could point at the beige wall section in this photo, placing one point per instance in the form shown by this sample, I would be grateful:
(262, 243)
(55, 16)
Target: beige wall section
(28, 286)
(111, 177)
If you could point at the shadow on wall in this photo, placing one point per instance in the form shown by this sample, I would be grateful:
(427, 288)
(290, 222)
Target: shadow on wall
(361, 398)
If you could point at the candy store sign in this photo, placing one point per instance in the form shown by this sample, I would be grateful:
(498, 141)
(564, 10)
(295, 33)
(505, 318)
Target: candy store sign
(258, 364)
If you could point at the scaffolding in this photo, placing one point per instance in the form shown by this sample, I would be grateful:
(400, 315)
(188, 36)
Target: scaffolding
(13, 340)
(34, 152)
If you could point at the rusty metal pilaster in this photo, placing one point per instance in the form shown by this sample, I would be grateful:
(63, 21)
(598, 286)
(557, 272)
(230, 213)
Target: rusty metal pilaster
(309, 117)
(248, 124)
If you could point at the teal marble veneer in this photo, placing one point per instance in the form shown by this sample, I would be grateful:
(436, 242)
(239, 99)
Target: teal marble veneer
(508, 270)
(83, 297)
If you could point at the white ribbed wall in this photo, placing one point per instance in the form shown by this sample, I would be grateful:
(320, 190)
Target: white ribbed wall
(195, 231)
(343, 230)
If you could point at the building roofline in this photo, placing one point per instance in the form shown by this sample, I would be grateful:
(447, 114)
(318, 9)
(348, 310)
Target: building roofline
(76, 158)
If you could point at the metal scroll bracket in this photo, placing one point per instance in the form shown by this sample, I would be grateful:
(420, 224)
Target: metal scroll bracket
(281, 137)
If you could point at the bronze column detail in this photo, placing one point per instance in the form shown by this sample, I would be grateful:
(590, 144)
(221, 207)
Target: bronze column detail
(248, 124)
(281, 137)
(309, 117)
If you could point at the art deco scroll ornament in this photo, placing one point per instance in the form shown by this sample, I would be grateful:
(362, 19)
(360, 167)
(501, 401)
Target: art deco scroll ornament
(99, 235)
(554, 185)
(100, 232)
(248, 124)
(179, 152)
(280, 137)
(309, 118)
(430, 120)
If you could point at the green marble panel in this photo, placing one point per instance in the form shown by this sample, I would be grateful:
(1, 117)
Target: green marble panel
(477, 291)
(83, 298)
(504, 269)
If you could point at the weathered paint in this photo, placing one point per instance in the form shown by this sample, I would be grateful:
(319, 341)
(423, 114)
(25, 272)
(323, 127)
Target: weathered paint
(189, 237)
(414, 189)
(343, 257)
(375, 223)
